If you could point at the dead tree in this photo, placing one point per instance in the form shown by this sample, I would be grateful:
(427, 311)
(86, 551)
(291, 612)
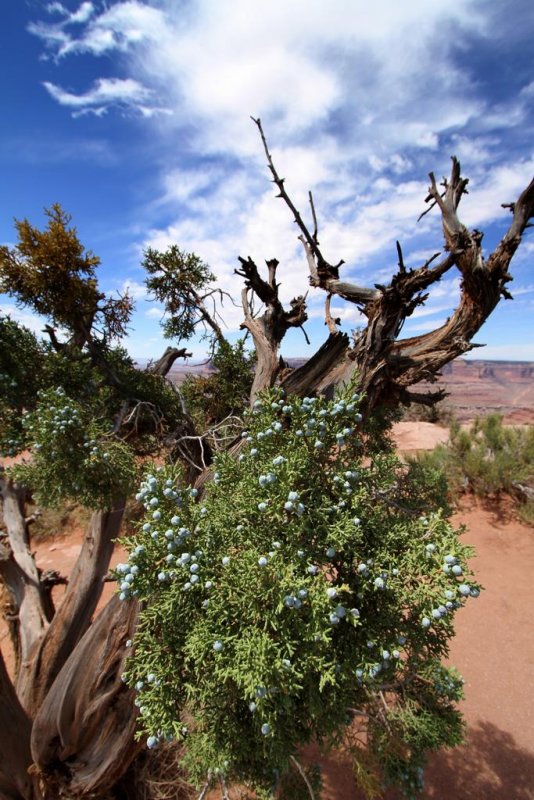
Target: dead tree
(67, 723)
(386, 365)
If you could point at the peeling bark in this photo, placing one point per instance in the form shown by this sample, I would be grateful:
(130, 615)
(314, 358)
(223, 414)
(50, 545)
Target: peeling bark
(269, 329)
(74, 615)
(163, 365)
(82, 737)
(20, 574)
(316, 372)
(16, 783)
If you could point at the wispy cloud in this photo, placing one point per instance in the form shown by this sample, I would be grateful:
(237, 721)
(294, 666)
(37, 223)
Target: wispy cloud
(124, 93)
(156, 312)
(117, 27)
(34, 322)
(136, 290)
(505, 352)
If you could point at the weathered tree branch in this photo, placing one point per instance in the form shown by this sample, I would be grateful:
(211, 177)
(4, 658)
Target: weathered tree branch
(387, 365)
(85, 725)
(207, 318)
(16, 783)
(20, 573)
(269, 329)
(316, 374)
(164, 364)
(73, 617)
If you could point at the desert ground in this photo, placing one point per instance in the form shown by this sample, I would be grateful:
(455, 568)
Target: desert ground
(493, 649)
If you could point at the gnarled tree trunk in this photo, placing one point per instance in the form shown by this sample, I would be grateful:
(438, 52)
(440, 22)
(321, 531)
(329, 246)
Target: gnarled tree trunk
(83, 734)
(16, 780)
(75, 613)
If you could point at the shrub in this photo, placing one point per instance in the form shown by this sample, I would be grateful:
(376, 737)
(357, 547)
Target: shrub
(75, 456)
(487, 459)
(308, 589)
(439, 413)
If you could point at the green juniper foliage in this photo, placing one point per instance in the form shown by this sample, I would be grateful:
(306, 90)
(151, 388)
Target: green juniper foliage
(304, 587)
(177, 279)
(75, 455)
(21, 358)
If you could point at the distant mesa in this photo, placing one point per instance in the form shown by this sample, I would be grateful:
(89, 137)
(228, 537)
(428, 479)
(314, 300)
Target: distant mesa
(477, 388)
(474, 387)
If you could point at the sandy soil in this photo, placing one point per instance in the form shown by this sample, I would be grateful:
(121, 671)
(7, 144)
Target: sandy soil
(493, 649)
(410, 437)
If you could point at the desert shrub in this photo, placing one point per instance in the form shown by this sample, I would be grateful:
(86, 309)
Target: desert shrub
(487, 459)
(439, 413)
(310, 585)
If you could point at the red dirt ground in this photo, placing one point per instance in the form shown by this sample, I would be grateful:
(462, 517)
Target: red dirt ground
(494, 651)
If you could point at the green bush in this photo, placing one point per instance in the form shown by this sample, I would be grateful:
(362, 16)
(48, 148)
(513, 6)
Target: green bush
(487, 459)
(76, 457)
(310, 586)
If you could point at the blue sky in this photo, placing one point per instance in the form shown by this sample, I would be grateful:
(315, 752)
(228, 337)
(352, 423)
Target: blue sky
(135, 116)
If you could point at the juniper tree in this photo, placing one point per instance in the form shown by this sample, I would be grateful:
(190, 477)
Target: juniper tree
(292, 656)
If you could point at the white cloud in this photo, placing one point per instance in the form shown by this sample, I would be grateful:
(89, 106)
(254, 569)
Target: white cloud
(519, 291)
(356, 107)
(118, 27)
(34, 322)
(429, 311)
(56, 8)
(106, 92)
(137, 291)
(502, 183)
(84, 13)
(155, 312)
(505, 352)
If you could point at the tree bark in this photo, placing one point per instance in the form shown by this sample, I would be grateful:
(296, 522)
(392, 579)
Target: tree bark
(164, 364)
(16, 783)
(268, 330)
(83, 734)
(21, 577)
(74, 615)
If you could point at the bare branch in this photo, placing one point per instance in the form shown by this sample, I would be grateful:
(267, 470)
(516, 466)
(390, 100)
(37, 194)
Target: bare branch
(164, 364)
(206, 787)
(304, 777)
(402, 268)
(314, 217)
(284, 195)
(329, 320)
(224, 790)
(306, 338)
(269, 329)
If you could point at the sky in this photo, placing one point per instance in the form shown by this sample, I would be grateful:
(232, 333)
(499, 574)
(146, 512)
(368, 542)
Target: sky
(134, 115)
